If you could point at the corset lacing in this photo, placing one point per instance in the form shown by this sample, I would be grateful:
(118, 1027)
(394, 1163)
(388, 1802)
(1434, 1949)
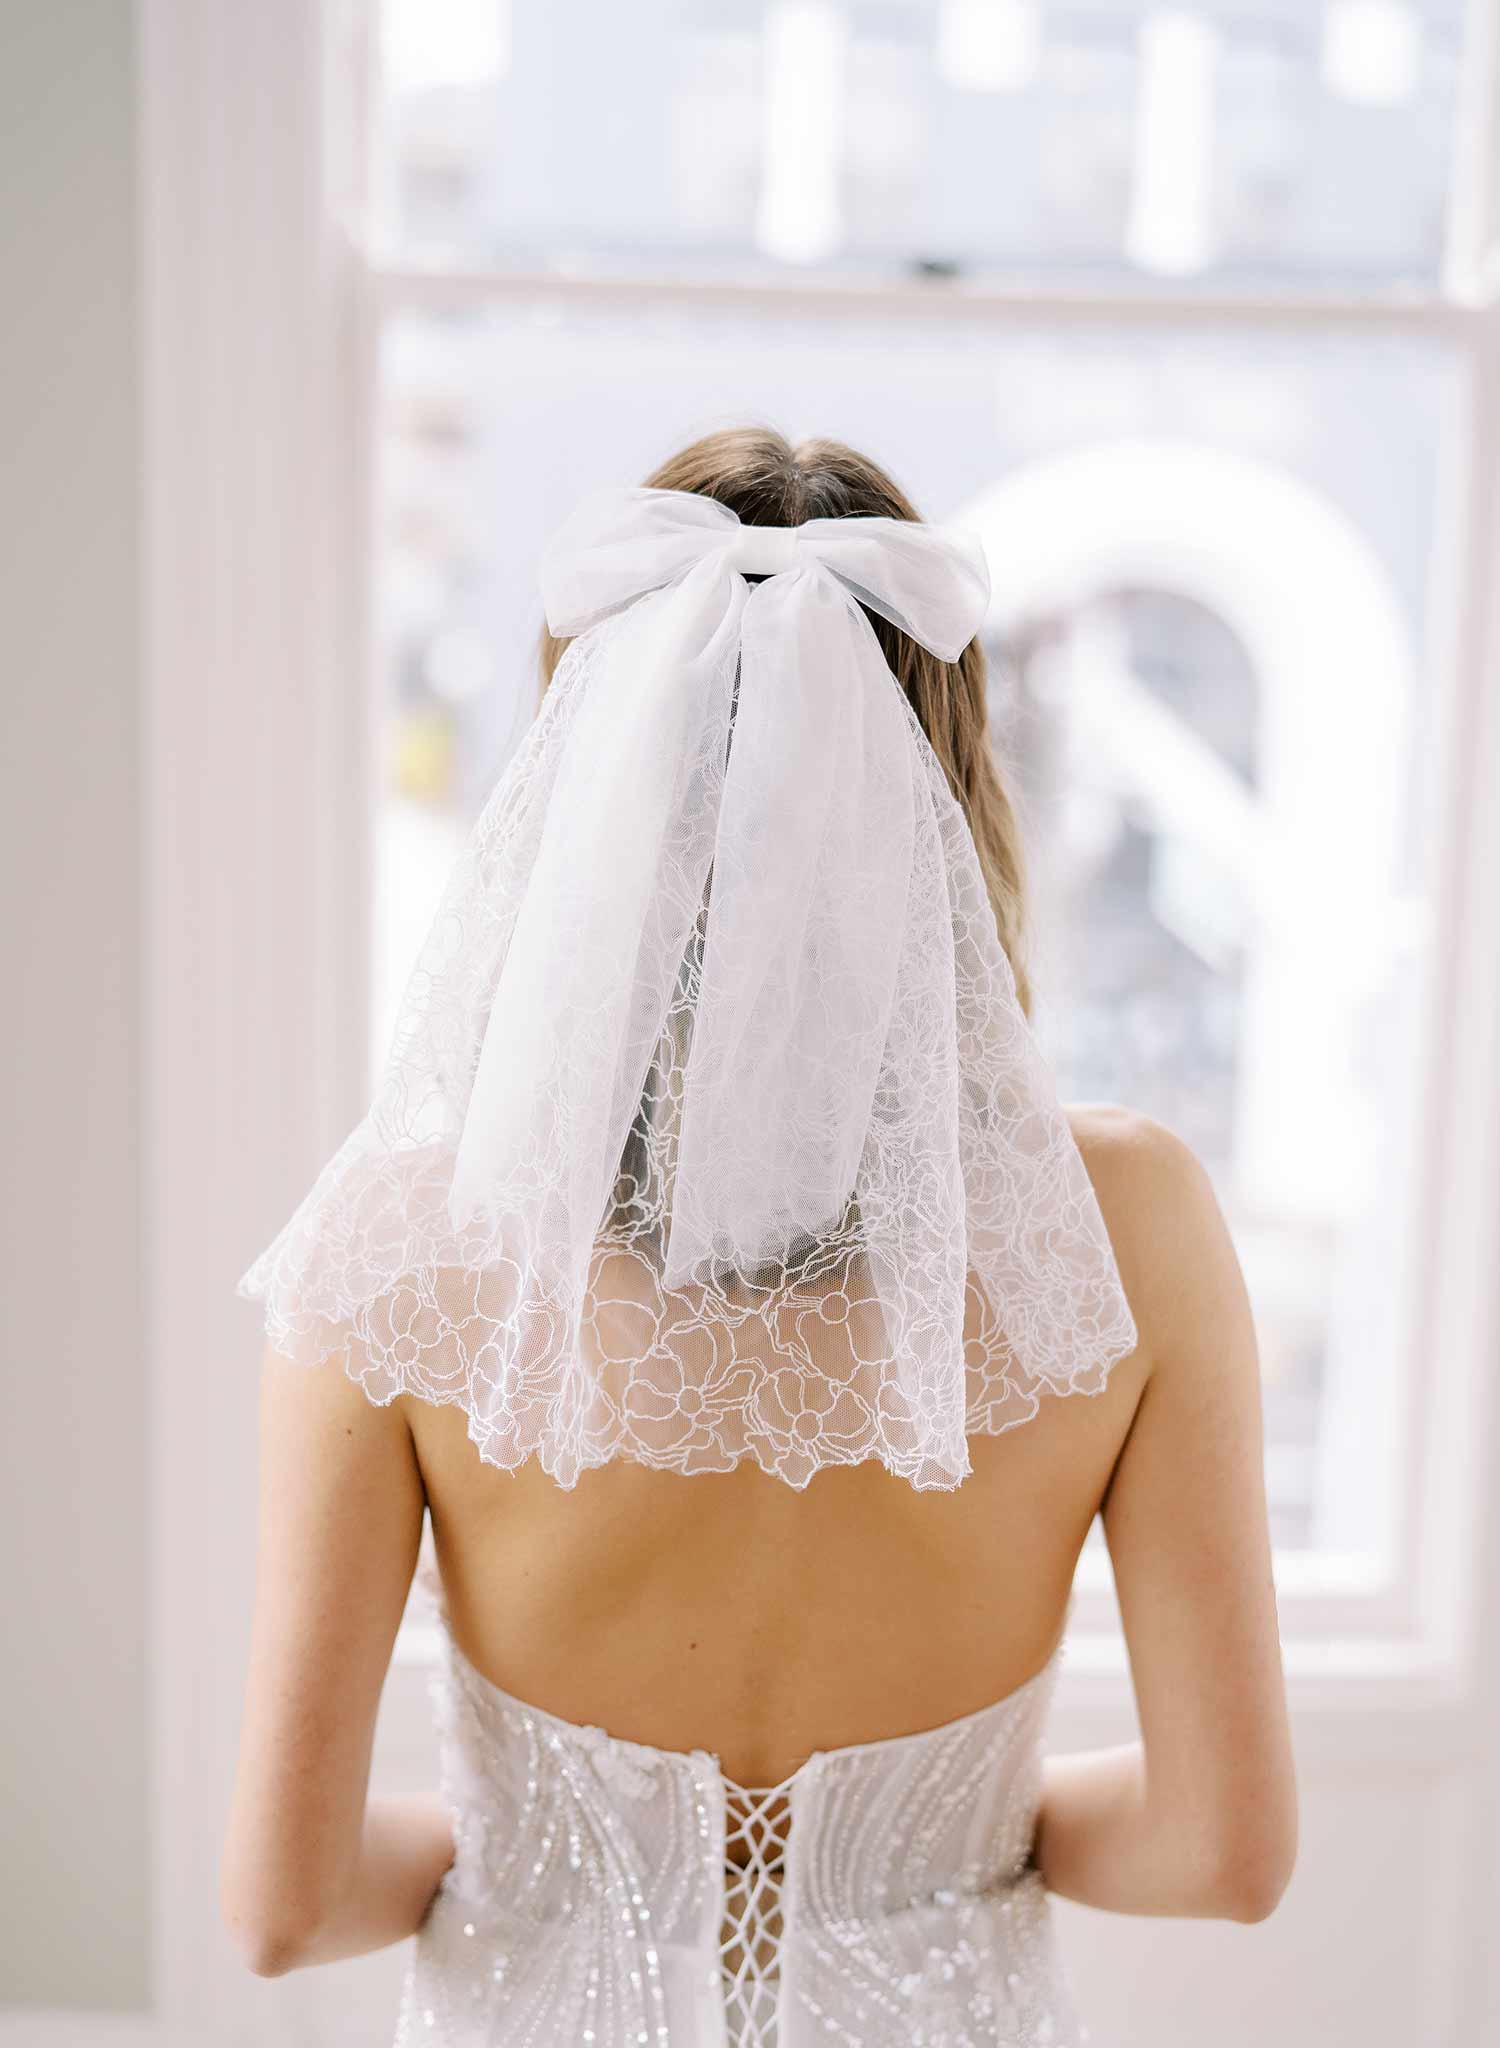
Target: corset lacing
(757, 1821)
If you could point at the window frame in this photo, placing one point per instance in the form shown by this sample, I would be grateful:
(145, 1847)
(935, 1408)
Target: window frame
(1324, 1598)
(1337, 1621)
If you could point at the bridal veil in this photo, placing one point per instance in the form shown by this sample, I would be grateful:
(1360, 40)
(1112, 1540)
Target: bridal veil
(713, 1127)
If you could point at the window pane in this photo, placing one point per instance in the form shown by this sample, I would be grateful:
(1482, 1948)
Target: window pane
(1224, 142)
(1211, 554)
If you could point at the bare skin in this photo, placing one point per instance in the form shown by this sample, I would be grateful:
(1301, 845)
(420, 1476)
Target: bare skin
(729, 1612)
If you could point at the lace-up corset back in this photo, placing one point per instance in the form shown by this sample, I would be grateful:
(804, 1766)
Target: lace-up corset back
(609, 1893)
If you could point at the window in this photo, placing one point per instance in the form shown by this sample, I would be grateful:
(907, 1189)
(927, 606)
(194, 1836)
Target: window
(1065, 299)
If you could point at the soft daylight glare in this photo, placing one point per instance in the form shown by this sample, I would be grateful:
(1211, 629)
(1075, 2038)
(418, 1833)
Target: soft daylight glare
(1372, 51)
(1169, 230)
(444, 42)
(799, 218)
(989, 45)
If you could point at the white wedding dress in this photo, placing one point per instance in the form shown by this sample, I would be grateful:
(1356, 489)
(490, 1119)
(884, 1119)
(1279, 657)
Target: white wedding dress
(613, 1895)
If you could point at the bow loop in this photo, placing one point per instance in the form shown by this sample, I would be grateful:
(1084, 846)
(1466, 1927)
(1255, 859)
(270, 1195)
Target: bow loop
(621, 544)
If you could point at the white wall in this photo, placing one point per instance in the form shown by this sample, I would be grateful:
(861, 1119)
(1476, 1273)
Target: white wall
(73, 1737)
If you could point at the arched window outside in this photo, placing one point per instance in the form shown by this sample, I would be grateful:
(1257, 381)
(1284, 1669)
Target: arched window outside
(1211, 697)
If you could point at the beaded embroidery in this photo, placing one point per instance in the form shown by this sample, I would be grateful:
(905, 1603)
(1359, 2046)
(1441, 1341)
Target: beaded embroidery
(620, 1896)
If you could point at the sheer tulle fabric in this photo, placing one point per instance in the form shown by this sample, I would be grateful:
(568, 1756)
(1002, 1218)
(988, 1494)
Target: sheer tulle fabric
(712, 1127)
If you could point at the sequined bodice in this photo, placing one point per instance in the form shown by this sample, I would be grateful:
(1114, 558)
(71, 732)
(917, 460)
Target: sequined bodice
(613, 1895)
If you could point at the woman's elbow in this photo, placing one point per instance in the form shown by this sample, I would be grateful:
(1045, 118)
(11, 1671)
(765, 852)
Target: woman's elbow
(1251, 1895)
(268, 1946)
(267, 1953)
(1250, 1877)
(271, 1939)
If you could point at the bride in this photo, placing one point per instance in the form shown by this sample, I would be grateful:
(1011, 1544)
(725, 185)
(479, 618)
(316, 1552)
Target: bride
(718, 1270)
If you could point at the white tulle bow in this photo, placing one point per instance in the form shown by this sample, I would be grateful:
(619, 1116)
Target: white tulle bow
(806, 857)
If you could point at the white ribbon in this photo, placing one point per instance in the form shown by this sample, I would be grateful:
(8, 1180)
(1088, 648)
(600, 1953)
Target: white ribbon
(754, 743)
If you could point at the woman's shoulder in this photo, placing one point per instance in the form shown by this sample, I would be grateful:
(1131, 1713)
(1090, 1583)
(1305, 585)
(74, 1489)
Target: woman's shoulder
(1154, 1193)
(1123, 1144)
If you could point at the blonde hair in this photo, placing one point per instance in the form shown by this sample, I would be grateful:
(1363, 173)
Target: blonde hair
(761, 477)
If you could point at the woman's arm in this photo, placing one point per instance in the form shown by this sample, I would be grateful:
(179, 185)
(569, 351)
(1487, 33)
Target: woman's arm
(1199, 1818)
(311, 1871)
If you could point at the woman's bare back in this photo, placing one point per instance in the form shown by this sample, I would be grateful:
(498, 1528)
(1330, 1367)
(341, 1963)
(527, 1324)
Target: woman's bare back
(730, 1612)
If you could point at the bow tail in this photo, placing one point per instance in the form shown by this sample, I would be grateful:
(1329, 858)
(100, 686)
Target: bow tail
(590, 972)
(806, 920)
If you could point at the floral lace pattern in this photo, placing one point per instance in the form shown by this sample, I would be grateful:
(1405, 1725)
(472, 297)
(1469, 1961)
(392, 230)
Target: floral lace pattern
(967, 1273)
